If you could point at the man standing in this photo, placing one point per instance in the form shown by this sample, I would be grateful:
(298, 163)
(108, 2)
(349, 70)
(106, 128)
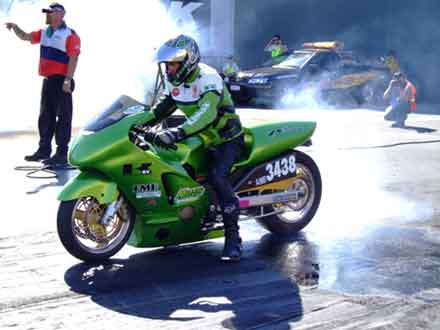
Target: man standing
(59, 50)
(402, 95)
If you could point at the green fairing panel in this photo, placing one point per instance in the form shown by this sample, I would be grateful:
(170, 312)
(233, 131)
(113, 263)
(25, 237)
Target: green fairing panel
(109, 150)
(87, 184)
(93, 150)
(166, 227)
(266, 141)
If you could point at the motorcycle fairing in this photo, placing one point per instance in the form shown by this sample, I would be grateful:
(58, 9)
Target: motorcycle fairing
(90, 184)
(267, 141)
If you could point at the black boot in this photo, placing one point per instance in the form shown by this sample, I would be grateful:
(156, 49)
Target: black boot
(40, 154)
(58, 159)
(233, 249)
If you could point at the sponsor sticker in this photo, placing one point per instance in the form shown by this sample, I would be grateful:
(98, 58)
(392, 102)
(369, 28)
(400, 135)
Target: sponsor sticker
(147, 190)
(260, 181)
(195, 91)
(185, 195)
(144, 168)
(281, 130)
(175, 92)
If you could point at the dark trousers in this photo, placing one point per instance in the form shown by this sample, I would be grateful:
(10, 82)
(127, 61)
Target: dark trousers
(222, 157)
(398, 112)
(55, 115)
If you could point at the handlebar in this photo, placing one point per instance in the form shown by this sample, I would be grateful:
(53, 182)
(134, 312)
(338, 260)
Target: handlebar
(143, 137)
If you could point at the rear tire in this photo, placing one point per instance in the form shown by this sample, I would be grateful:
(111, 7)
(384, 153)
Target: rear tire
(301, 212)
(84, 238)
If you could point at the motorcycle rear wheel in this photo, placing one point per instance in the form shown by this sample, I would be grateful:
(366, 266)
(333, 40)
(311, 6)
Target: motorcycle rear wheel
(84, 237)
(294, 216)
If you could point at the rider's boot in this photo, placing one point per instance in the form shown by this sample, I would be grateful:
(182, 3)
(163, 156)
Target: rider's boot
(233, 249)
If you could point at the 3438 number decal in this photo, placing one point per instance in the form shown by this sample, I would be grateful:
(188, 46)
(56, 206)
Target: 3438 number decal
(280, 168)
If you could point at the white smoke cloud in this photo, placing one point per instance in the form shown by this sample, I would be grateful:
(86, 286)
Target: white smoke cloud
(118, 40)
(306, 98)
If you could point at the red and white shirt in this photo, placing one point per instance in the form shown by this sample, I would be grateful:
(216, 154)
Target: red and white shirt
(55, 48)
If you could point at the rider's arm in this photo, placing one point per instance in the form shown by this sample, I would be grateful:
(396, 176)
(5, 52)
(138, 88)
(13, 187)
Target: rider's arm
(164, 107)
(204, 116)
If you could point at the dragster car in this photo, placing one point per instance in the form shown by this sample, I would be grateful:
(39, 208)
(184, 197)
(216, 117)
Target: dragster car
(322, 68)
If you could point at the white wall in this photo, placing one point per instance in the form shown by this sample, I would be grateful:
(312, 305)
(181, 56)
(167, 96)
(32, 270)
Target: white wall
(221, 32)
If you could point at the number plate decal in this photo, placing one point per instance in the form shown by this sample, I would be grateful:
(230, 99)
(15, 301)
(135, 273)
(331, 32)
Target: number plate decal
(279, 169)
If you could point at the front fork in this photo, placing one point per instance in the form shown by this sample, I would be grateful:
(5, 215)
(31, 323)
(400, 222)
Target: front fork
(111, 210)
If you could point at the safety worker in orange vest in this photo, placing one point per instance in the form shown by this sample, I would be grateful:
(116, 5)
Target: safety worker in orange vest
(402, 96)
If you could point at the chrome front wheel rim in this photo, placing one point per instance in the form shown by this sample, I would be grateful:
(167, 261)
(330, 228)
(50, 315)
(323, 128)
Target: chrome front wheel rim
(92, 236)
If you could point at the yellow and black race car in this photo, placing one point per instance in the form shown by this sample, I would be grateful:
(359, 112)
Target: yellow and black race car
(321, 69)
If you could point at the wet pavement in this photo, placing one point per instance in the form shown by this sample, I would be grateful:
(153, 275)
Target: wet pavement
(370, 259)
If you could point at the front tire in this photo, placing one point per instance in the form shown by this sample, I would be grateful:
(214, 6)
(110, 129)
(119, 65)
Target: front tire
(294, 216)
(84, 237)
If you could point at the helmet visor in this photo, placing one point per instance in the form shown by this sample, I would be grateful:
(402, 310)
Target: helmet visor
(169, 54)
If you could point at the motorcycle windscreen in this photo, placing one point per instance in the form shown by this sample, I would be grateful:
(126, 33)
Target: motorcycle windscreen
(119, 109)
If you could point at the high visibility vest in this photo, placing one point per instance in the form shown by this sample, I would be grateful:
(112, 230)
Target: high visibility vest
(409, 93)
(276, 51)
(230, 69)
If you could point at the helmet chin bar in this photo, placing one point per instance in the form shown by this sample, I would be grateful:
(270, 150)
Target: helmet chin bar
(180, 76)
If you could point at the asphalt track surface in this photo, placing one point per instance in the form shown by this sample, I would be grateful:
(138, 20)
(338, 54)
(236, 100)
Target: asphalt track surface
(370, 259)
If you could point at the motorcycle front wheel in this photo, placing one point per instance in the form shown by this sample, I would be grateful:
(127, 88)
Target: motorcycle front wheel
(82, 234)
(291, 217)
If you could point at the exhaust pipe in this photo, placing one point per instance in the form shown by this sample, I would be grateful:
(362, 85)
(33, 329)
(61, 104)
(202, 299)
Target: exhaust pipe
(253, 201)
(283, 197)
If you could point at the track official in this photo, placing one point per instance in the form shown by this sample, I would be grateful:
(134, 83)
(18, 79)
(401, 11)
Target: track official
(59, 50)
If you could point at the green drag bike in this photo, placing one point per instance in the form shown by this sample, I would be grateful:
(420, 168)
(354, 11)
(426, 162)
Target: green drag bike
(130, 190)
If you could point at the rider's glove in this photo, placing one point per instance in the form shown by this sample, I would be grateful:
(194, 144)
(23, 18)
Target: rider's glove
(170, 136)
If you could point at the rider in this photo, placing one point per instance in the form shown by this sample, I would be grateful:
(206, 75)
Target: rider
(198, 90)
